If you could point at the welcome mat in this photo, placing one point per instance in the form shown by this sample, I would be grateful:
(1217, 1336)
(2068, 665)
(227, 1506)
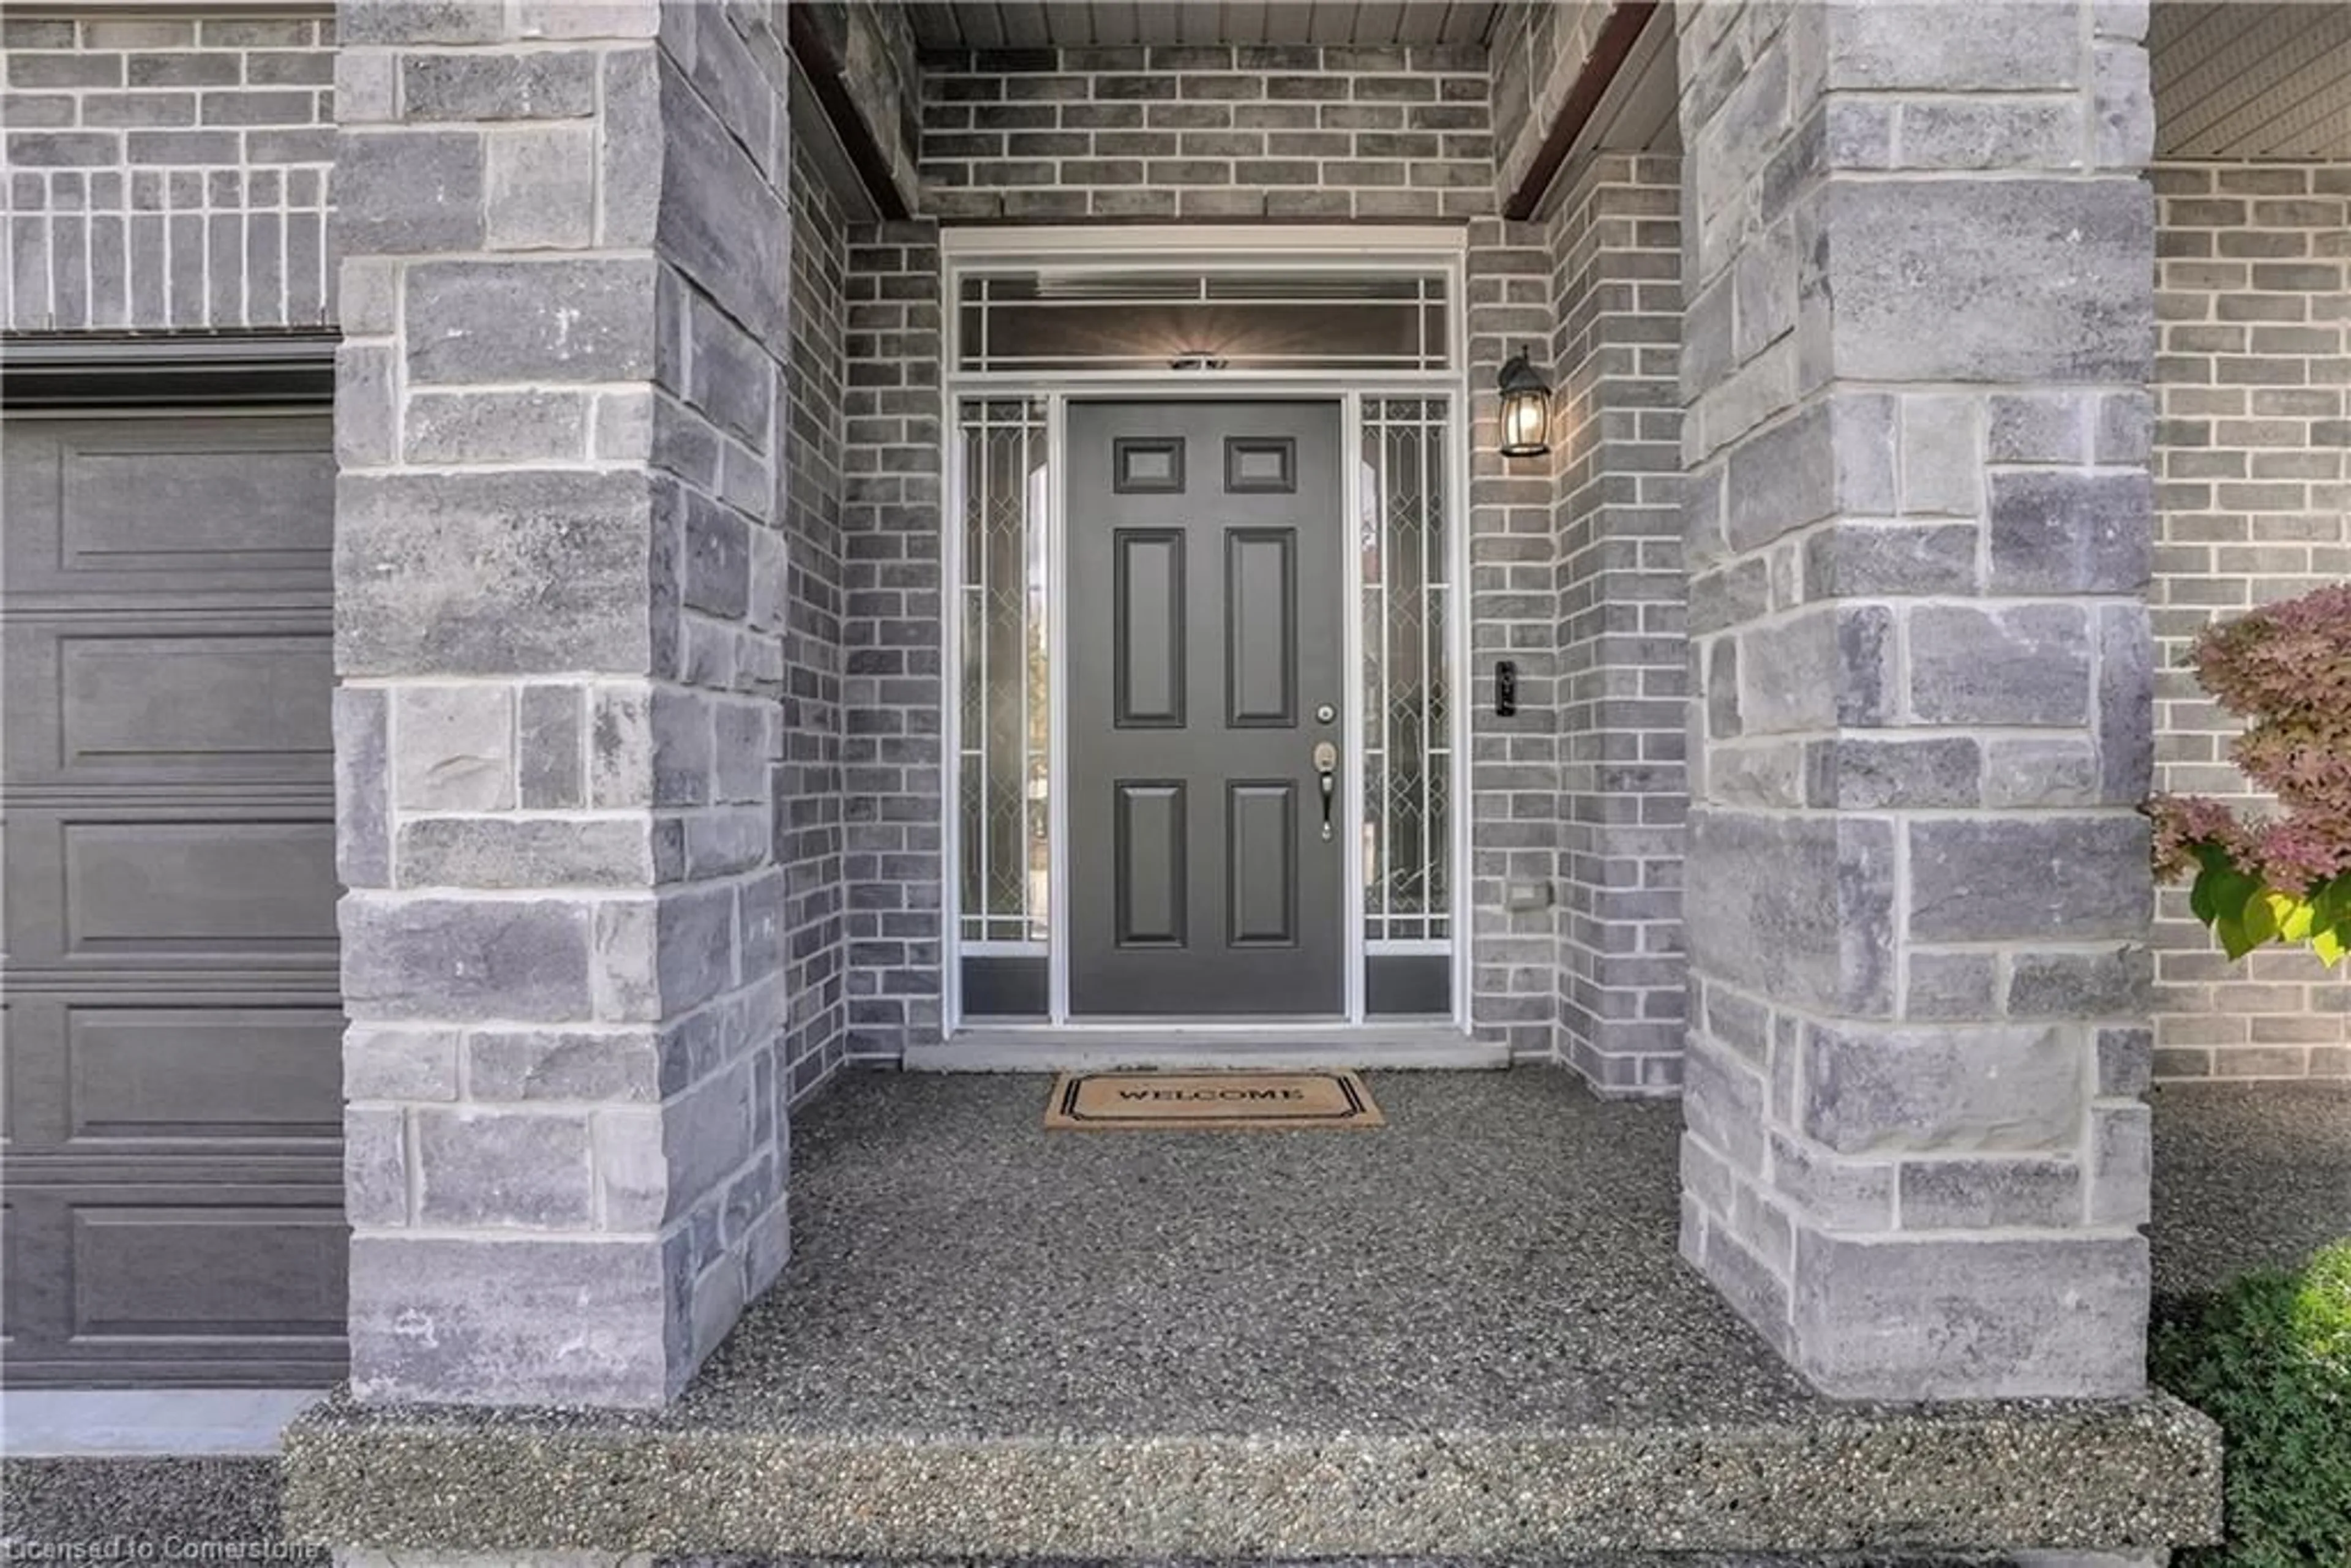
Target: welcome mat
(1084, 1101)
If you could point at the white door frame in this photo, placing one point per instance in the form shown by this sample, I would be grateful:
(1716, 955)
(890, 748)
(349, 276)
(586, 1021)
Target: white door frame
(1255, 249)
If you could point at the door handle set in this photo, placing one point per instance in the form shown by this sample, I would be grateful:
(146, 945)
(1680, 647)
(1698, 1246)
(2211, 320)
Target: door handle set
(1326, 777)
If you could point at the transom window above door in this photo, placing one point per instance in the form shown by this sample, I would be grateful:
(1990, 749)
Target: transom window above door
(1056, 319)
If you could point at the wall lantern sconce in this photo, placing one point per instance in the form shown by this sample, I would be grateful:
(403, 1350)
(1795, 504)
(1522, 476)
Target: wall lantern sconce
(1526, 409)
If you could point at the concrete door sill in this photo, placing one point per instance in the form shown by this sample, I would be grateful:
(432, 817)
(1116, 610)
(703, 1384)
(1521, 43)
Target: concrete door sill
(1385, 1047)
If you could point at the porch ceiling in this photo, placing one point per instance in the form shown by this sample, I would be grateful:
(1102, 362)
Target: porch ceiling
(1081, 24)
(2236, 81)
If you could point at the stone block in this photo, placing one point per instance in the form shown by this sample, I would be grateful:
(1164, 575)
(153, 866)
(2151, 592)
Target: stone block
(536, 84)
(620, 746)
(2054, 532)
(479, 1169)
(1859, 773)
(2006, 133)
(499, 573)
(405, 22)
(456, 750)
(1884, 1090)
(407, 192)
(627, 977)
(2018, 665)
(2041, 1318)
(607, 1066)
(1826, 667)
(695, 930)
(362, 773)
(460, 960)
(720, 223)
(2125, 1062)
(2125, 702)
(682, 747)
(513, 1320)
(367, 405)
(1830, 1192)
(522, 852)
(2038, 427)
(375, 1165)
(387, 1061)
(541, 188)
(707, 1136)
(1951, 986)
(550, 747)
(2121, 1169)
(1990, 1195)
(572, 320)
(2059, 770)
(1836, 456)
(1999, 46)
(1723, 1106)
(2081, 879)
(1797, 908)
(1886, 559)
(466, 427)
(2106, 983)
(1989, 280)
(1942, 471)
(717, 559)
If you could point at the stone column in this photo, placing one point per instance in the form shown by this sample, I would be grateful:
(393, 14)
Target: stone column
(559, 593)
(1918, 273)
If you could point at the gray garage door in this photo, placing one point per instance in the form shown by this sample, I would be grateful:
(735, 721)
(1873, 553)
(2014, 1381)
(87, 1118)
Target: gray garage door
(172, 1183)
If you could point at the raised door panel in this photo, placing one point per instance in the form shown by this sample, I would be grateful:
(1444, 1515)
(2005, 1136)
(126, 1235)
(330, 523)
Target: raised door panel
(243, 700)
(208, 1080)
(1147, 628)
(1261, 628)
(182, 504)
(108, 888)
(1151, 866)
(1261, 863)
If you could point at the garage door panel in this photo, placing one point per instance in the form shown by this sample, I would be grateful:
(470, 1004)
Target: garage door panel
(218, 699)
(126, 1285)
(148, 888)
(172, 1108)
(184, 1076)
(208, 1271)
(182, 506)
(120, 1073)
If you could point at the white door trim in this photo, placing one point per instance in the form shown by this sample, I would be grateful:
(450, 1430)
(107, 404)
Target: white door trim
(1379, 248)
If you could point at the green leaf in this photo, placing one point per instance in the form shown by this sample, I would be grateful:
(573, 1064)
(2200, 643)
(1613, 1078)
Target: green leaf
(2259, 921)
(2330, 944)
(2233, 940)
(2222, 893)
(2296, 919)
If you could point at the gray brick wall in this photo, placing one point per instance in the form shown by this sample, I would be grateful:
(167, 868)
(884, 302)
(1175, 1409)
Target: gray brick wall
(893, 658)
(1216, 134)
(1619, 593)
(167, 170)
(1514, 799)
(807, 794)
(561, 418)
(2254, 469)
(1918, 329)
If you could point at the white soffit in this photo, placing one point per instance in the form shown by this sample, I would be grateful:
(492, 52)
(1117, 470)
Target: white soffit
(2241, 79)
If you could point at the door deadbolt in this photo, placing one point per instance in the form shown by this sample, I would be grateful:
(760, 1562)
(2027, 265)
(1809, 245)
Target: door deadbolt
(1325, 714)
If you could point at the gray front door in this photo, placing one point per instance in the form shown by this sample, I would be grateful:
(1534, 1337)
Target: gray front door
(1206, 556)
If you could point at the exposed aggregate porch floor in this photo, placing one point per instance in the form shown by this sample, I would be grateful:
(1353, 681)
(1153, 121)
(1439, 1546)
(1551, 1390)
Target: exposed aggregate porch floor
(1468, 1334)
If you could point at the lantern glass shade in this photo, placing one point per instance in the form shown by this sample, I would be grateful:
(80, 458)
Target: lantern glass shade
(1526, 411)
